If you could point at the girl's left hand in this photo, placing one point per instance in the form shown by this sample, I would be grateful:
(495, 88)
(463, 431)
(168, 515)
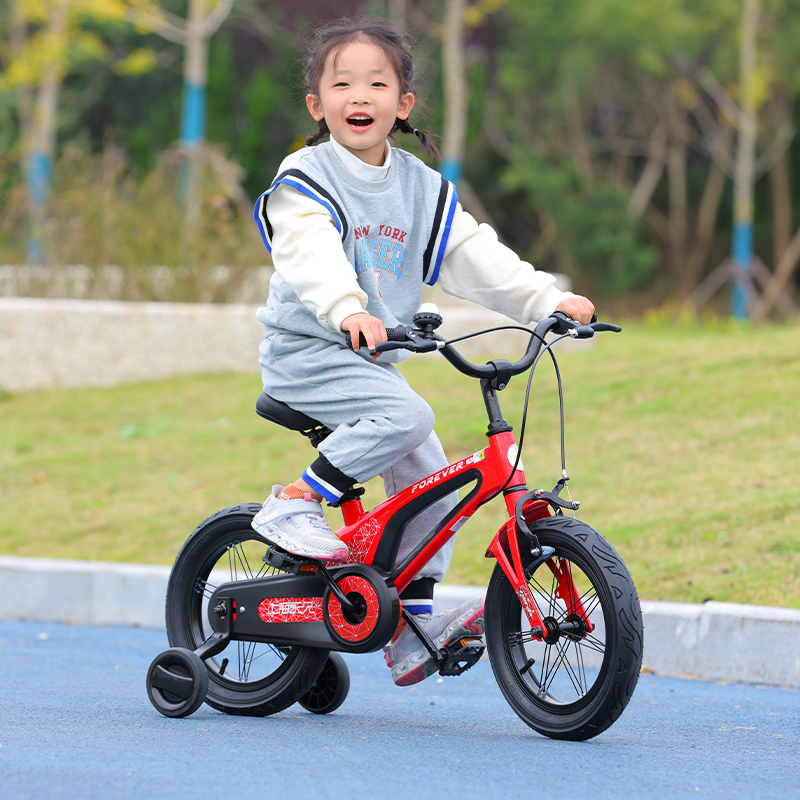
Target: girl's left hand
(579, 308)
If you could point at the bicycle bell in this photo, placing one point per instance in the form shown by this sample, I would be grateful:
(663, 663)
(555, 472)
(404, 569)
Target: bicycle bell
(427, 318)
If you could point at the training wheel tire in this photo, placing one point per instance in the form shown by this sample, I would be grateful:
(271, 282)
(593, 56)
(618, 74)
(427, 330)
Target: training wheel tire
(177, 682)
(330, 689)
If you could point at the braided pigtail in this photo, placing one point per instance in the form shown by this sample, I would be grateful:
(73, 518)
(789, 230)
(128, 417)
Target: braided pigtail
(426, 139)
(320, 134)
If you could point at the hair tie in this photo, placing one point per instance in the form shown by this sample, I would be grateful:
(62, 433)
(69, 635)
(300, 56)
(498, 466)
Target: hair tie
(417, 133)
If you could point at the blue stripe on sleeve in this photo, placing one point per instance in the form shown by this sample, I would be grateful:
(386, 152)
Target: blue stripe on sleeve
(261, 228)
(308, 193)
(445, 236)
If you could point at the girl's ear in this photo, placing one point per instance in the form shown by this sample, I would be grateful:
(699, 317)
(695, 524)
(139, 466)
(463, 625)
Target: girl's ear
(314, 107)
(406, 104)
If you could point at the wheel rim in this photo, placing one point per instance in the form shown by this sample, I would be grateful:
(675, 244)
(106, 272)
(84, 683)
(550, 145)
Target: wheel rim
(250, 665)
(563, 672)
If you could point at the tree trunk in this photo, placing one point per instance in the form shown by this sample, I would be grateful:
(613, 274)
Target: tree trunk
(676, 171)
(744, 171)
(455, 91)
(650, 175)
(706, 219)
(783, 273)
(397, 13)
(780, 186)
(41, 142)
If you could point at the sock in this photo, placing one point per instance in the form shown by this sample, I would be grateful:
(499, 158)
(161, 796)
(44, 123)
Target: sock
(418, 605)
(417, 597)
(291, 492)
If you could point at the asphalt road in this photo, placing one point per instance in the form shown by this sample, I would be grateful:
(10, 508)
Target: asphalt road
(75, 722)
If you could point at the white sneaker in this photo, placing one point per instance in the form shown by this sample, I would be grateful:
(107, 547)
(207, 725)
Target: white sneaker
(299, 527)
(409, 658)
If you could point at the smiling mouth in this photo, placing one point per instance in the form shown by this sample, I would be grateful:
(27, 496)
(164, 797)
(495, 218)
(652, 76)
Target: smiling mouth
(359, 121)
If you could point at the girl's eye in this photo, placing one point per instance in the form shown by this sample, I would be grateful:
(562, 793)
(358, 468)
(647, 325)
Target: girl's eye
(341, 83)
(378, 83)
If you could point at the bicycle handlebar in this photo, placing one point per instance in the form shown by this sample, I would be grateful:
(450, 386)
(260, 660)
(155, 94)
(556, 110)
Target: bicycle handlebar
(405, 337)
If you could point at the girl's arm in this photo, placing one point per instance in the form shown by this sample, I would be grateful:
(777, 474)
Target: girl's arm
(477, 267)
(307, 253)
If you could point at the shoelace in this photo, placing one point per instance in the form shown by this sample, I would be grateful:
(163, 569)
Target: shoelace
(317, 521)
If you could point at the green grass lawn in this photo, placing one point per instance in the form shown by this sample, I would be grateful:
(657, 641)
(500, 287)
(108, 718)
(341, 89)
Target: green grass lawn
(683, 445)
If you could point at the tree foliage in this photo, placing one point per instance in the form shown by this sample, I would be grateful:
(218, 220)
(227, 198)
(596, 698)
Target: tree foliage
(596, 136)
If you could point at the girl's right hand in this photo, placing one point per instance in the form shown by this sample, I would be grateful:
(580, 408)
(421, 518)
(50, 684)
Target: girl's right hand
(372, 328)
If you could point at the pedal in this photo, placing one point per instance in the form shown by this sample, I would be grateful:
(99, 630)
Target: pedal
(286, 562)
(460, 655)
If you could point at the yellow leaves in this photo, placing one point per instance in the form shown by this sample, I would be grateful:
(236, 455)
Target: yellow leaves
(101, 10)
(39, 11)
(69, 42)
(476, 14)
(86, 46)
(33, 10)
(138, 62)
(758, 88)
(41, 51)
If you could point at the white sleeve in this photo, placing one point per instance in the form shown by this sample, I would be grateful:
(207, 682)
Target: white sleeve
(477, 267)
(307, 253)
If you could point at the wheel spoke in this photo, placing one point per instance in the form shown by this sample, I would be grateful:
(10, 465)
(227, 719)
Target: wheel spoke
(562, 660)
(204, 588)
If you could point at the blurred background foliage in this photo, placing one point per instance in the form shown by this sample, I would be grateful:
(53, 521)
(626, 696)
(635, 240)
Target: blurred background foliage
(595, 142)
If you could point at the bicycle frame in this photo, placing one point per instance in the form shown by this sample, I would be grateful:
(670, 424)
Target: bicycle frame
(373, 537)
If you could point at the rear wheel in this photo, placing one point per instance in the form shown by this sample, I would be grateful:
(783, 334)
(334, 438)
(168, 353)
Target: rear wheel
(247, 678)
(576, 681)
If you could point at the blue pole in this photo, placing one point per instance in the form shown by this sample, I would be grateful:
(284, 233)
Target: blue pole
(742, 264)
(451, 170)
(193, 114)
(40, 176)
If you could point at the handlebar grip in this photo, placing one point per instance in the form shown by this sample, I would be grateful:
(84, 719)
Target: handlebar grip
(397, 334)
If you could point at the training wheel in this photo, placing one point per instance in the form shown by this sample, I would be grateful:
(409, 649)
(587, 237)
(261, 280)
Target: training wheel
(177, 682)
(331, 688)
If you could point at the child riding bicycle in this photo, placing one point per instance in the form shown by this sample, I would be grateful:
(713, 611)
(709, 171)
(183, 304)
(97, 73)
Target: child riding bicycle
(355, 228)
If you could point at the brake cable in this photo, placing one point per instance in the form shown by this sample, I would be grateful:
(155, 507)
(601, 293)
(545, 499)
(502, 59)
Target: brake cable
(547, 348)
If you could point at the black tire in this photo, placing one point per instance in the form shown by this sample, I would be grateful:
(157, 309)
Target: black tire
(330, 689)
(578, 684)
(177, 682)
(247, 678)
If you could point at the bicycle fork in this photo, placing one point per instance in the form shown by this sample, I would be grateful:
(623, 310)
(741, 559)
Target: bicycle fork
(507, 539)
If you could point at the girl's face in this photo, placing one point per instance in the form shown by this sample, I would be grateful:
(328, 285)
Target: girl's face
(359, 97)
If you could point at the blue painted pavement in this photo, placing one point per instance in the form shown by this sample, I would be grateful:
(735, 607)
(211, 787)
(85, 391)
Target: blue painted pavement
(75, 722)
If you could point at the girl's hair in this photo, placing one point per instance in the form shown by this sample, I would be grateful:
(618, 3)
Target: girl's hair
(331, 38)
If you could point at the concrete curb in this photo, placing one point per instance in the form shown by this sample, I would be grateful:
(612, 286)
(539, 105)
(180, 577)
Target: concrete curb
(721, 641)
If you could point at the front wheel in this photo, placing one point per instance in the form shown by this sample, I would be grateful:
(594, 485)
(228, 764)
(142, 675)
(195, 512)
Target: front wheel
(574, 682)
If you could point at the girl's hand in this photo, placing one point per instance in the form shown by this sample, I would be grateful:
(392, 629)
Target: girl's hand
(373, 329)
(579, 308)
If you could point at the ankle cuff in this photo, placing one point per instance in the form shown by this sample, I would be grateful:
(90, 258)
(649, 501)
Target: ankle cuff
(327, 480)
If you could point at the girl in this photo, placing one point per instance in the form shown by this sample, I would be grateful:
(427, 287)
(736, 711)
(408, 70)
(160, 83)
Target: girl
(355, 227)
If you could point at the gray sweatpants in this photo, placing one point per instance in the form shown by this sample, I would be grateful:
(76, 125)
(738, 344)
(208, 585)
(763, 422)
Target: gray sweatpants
(380, 425)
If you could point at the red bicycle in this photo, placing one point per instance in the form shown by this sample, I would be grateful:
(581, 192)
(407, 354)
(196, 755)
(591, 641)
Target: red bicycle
(563, 626)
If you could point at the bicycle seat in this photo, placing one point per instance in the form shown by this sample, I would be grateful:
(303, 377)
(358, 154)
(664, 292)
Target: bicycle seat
(278, 412)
